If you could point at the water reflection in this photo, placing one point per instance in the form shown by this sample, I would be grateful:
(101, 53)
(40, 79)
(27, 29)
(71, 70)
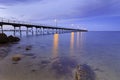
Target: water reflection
(78, 39)
(72, 40)
(55, 45)
(72, 43)
(79, 42)
(63, 66)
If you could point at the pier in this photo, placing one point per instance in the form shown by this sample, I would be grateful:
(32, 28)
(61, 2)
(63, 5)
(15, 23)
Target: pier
(39, 28)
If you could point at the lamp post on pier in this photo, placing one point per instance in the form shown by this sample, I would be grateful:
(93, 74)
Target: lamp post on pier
(56, 24)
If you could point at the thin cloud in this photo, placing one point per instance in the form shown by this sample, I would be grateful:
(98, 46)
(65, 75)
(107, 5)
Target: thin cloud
(63, 10)
(14, 2)
(2, 8)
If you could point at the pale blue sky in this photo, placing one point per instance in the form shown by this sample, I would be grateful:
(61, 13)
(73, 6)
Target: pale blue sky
(91, 14)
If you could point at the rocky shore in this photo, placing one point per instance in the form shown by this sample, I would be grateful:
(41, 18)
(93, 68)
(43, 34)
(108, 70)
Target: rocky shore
(8, 39)
(4, 39)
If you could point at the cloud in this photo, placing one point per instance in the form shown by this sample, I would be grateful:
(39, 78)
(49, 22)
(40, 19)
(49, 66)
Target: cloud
(66, 11)
(90, 8)
(62, 9)
(14, 2)
(45, 9)
(2, 8)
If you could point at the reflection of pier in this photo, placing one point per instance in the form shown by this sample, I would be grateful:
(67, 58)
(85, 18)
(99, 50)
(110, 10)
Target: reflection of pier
(34, 28)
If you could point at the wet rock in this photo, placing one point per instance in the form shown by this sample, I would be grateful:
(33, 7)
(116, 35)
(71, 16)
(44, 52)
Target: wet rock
(3, 38)
(33, 70)
(19, 47)
(16, 58)
(13, 39)
(28, 47)
(84, 72)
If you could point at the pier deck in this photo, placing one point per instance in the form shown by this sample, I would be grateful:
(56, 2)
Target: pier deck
(39, 27)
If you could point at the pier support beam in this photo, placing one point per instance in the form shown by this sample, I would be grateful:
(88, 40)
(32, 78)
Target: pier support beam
(32, 31)
(40, 31)
(47, 30)
(1, 28)
(56, 31)
(27, 31)
(36, 31)
(20, 31)
(43, 31)
(14, 30)
(51, 31)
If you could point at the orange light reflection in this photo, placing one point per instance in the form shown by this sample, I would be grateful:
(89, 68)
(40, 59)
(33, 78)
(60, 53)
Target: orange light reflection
(78, 39)
(72, 42)
(55, 45)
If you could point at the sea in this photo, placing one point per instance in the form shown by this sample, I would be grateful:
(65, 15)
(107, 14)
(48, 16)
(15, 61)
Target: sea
(55, 56)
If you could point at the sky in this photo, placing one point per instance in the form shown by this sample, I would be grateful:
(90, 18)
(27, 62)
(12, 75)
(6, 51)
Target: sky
(93, 15)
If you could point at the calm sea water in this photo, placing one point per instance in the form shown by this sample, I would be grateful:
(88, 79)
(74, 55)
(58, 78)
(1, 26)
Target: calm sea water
(54, 57)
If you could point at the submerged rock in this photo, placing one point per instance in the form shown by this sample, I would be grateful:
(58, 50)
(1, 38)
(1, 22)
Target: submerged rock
(16, 58)
(28, 54)
(3, 38)
(45, 62)
(63, 66)
(28, 47)
(19, 47)
(3, 53)
(84, 72)
(33, 70)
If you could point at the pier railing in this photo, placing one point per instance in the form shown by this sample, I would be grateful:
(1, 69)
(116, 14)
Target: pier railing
(19, 22)
(24, 22)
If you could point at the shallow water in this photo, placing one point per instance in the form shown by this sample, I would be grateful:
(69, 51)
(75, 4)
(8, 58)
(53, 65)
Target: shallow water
(55, 57)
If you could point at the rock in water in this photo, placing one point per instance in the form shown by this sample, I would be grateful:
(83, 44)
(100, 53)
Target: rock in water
(13, 39)
(3, 38)
(3, 53)
(16, 39)
(28, 47)
(84, 72)
(16, 58)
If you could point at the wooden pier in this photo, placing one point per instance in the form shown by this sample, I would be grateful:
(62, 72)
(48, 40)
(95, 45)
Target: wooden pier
(39, 28)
